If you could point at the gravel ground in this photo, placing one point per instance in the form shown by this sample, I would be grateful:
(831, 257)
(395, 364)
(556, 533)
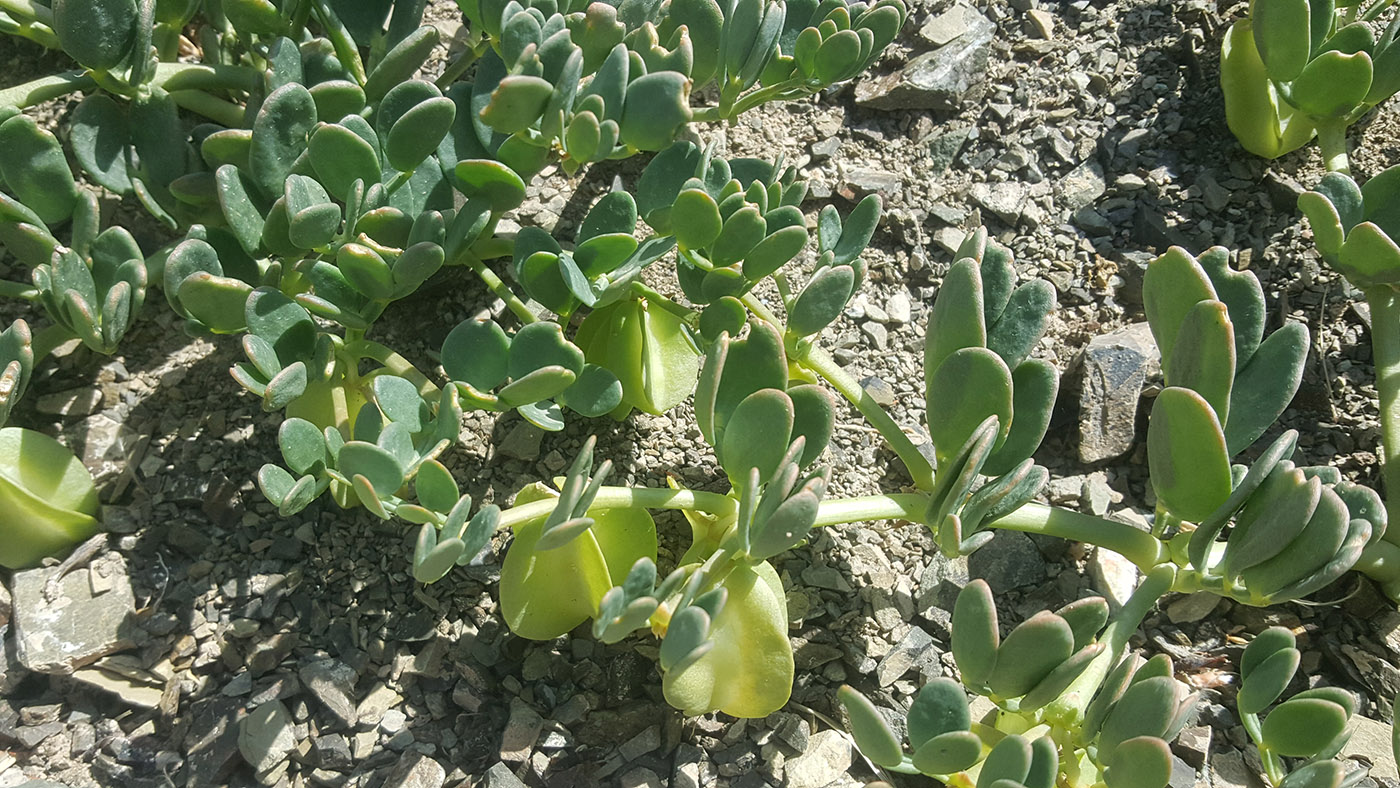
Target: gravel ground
(1091, 140)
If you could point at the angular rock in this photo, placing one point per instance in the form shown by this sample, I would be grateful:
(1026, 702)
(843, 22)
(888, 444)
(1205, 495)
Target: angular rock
(1007, 200)
(1114, 368)
(265, 737)
(1192, 607)
(522, 442)
(81, 625)
(944, 79)
(211, 746)
(938, 589)
(1083, 186)
(1114, 576)
(823, 765)
(416, 770)
(500, 776)
(521, 731)
(1010, 560)
(1192, 745)
(1370, 740)
(1229, 771)
(914, 651)
(958, 21)
(333, 683)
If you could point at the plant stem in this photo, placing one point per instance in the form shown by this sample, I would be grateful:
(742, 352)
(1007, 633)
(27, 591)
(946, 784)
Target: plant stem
(629, 498)
(200, 76)
(1332, 139)
(458, 67)
(660, 301)
(212, 107)
(1385, 352)
(364, 348)
(896, 506)
(501, 289)
(35, 31)
(1140, 547)
(20, 290)
(920, 469)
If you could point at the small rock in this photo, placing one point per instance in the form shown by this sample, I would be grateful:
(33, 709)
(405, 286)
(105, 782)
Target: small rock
(859, 182)
(956, 22)
(1371, 741)
(641, 744)
(1183, 776)
(1083, 186)
(333, 751)
(80, 626)
(73, 402)
(521, 731)
(939, 587)
(915, 650)
(5, 607)
(879, 390)
(1006, 200)
(823, 765)
(899, 308)
(1097, 494)
(333, 683)
(1114, 368)
(1192, 745)
(500, 776)
(371, 709)
(825, 149)
(265, 737)
(1128, 182)
(1042, 23)
(641, 777)
(523, 442)
(1010, 560)
(1230, 771)
(393, 721)
(1114, 576)
(416, 770)
(1192, 607)
(943, 79)
(878, 334)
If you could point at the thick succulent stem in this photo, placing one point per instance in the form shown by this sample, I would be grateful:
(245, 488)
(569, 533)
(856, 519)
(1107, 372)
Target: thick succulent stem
(1385, 351)
(395, 363)
(920, 470)
(502, 291)
(211, 107)
(629, 498)
(45, 88)
(1332, 139)
(21, 290)
(1140, 547)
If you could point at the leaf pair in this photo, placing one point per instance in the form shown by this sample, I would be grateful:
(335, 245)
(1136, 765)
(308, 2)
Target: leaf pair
(648, 348)
(840, 272)
(1310, 724)
(1225, 385)
(95, 294)
(562, 280)
(746, 411)
(1038, 660)
(1136, 711)
(777, 516)
(537, 371)
(1355, 228)
(447, 537)
(981, 332)
(939, 724)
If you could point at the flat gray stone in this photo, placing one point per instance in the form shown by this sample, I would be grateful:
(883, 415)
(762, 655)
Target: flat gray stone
(416, 770)
(1083, 186)
(333, 683)
(1192, 607)
(823, 765)
(944, 79)
(522, 729)
(89, 618)
(958, 21)
(1113, 576)
(1371, 740)
(914, 651)
(265, 737)
(1010, 560)
(1007, 200)
(1114, 368)
(500, 776)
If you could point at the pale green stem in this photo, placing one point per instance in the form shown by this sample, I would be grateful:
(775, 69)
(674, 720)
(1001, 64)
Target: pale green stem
(629, 498)
(38, 32)
(458, 67)
(212, 107)
(21, 290)
(1332, 139)
(662, 302)
(1140, 547)
(395, 363)
(1385, 352)
(1273, 766)
(920, 470)
(1376, 10)
(1067, 711)
(896, 506)
(201, 76)
(500, 289)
